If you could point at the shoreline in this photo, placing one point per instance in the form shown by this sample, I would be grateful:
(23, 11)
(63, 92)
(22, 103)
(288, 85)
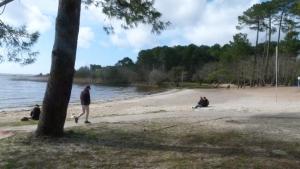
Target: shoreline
(158, 92)
(28, 108)
(241, 109)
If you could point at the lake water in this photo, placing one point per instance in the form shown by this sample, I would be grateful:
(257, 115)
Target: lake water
(23, 94)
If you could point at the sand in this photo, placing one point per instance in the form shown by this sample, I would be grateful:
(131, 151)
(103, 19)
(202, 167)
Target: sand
(250, 109)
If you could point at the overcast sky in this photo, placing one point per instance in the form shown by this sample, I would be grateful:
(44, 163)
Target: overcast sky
(193, 21)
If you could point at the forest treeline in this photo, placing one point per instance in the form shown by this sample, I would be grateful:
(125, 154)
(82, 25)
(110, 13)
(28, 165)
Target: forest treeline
(240, 62)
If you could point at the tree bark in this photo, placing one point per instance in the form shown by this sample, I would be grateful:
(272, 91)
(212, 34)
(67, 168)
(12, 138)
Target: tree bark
(279, 29)
(268, 49)
(254, 73)
(60, 81)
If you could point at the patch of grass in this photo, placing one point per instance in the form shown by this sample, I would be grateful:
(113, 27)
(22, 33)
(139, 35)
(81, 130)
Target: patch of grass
(9, 164)
(120, 145)
(18, 123)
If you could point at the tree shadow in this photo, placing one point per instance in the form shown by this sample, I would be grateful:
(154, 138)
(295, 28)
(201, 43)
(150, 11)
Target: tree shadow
(141, 140)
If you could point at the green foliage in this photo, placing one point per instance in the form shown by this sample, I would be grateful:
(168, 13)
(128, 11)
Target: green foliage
(83, 72)
(165, 58)
(95, 67)
(157, 77)
(291, 44)
(253, 17)
(131, 13)
(16, 44)
(236, 62)
(296, 9)
(205, 73)
(176, 74)
(117, 75)
(125, 62)
(237, 49)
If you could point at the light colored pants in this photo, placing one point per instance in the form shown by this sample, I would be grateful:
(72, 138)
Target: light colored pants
(85, 110)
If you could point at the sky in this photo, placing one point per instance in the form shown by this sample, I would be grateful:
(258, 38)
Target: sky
(201, 22)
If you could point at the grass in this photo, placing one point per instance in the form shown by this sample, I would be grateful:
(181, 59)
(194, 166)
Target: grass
(118, 145)
(18, 123)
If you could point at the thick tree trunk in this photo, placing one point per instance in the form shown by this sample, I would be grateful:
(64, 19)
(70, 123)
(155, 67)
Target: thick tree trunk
(59, 85)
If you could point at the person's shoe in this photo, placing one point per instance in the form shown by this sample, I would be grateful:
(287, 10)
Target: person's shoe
(87, 122)
(76, 119)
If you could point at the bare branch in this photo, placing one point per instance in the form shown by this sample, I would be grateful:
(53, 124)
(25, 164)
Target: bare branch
(4, 2)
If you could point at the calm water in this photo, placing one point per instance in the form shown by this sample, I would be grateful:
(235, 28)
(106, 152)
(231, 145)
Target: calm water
(22, 94)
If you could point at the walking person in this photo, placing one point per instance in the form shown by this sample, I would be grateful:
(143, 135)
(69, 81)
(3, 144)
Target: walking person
(85, 100)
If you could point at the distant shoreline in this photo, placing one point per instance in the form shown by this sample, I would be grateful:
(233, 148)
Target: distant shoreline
(43, 78)
(142, 85)
(28, 107)
(19, 93)
(74, 103)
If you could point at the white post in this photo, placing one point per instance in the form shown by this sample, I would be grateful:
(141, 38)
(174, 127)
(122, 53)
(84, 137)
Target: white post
(276, 69)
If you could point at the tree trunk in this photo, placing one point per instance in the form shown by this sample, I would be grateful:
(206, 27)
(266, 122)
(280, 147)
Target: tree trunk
(262, 79)
(254, 75)
(268, 49)
(60, 81)
(279, 29)
(278, 38)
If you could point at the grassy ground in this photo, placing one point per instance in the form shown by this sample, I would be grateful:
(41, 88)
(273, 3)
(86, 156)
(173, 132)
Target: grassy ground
(18, 123)
(148, 145)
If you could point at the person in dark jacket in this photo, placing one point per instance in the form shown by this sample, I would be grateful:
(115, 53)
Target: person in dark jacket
(203, 102)
(35, 113)
(200, 103)
(85, 100)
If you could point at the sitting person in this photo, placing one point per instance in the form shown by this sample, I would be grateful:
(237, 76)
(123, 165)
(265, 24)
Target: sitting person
(203, 102)
(200, 102)
(34, 114)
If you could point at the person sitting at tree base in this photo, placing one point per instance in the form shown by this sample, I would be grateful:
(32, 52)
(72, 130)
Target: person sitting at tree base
(34, 114)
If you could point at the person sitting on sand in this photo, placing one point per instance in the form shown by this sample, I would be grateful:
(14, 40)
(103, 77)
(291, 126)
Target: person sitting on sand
(85, 100)
(203, 102)
(34, 114)
(200, 102)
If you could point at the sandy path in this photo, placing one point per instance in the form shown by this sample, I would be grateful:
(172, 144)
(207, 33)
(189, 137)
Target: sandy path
(244, 109)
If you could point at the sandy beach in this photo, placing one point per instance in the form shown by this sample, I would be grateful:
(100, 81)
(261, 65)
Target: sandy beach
(242, 109)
